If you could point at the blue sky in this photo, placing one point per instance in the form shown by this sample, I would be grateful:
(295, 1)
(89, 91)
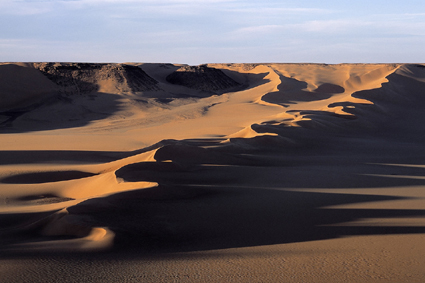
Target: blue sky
(210, 31)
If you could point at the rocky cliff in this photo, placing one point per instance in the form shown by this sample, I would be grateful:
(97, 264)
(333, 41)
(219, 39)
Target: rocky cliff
(80, 78)
(202, 78)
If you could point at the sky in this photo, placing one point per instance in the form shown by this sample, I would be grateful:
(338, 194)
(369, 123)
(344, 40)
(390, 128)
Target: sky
(213, 31)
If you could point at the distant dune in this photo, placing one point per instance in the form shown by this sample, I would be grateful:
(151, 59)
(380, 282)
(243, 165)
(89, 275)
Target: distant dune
(142, 172)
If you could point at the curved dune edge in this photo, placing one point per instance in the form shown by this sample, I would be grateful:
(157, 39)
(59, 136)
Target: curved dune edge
(99, 239)
(103, 183)
(249, 132)
(64, 224)
(75, 191)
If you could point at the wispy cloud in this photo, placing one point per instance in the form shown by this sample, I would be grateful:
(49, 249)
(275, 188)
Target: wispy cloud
(278, 10)
(25, 7)
(331, 26)
(255, 31)
(227, 29)
(153, 7)
(367, 26)
(6, 42)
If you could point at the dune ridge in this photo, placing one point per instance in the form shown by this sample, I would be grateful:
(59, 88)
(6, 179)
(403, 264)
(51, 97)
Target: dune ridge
(267, 163)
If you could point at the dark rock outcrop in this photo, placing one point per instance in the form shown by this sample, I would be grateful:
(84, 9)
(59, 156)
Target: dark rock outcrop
(202, 78)
(81, 78)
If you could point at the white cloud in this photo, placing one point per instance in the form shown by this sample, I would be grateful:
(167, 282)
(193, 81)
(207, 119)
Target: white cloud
(23, 8)
(28, 7)
(273, 10)
(6, 42)
(331, 26)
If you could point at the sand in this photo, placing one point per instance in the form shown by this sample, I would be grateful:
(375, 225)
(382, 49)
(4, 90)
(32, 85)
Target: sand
(214, 173)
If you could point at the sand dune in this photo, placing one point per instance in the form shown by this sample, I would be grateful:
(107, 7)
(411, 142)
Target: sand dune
(217, 173)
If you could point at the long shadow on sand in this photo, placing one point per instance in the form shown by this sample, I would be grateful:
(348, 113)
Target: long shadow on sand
(9, 157)
(214, 198)
(190, 218)
(199, 218)
(205, 206)
(61, 112)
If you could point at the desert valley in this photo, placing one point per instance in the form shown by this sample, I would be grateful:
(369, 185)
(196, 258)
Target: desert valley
(143, 172)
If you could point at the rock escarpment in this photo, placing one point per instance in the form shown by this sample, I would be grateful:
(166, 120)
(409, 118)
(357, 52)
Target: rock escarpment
(81, 78)
(202, 78)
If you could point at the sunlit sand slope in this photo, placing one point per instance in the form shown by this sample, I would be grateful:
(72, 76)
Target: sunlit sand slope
(218, 172)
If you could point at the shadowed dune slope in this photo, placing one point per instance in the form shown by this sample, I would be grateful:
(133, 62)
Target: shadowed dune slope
(22, 86)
